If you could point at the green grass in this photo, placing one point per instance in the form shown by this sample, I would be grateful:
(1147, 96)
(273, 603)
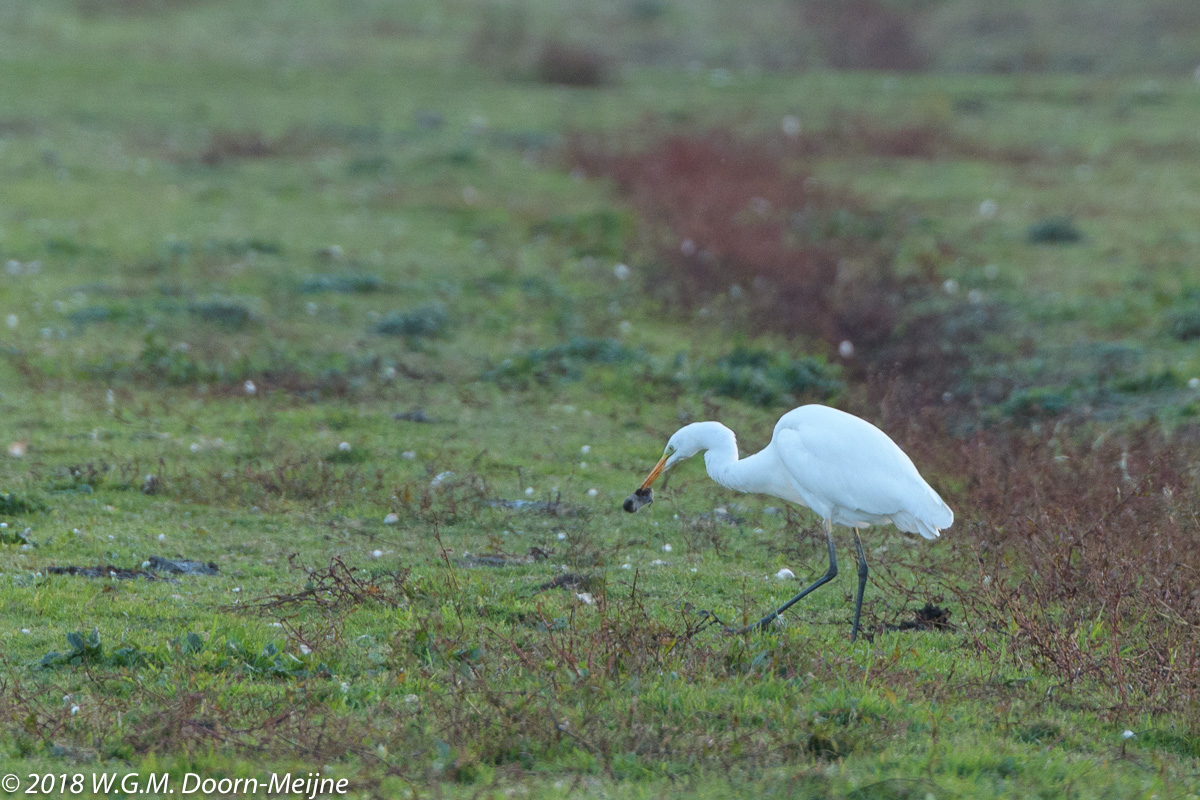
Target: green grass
(367, 266)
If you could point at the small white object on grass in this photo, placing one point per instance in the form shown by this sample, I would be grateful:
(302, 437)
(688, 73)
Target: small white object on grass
(1194, 383)
(562, 537)
(846, 349)
(592, 492)
(658, 562)
(529, 491)
(344, 447)
(409, 455)
(162, 537)
(586, 597)
(621, 271)
(376, 554)
(666, 548)
(250, 387)
(1128, 735)
(391, 519)
(988, 209)
(791, 126)
(785, 574)
(587, 448)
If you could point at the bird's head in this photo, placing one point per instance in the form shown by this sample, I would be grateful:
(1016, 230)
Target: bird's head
(684, 443)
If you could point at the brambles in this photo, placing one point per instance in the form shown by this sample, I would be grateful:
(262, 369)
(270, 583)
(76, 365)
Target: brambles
(337, 587)
(1058, 549)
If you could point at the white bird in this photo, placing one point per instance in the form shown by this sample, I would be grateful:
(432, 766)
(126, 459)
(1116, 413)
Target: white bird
(842, 467)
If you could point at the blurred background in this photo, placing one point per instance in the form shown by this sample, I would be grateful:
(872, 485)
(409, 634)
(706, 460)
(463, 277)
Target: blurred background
(415, 293)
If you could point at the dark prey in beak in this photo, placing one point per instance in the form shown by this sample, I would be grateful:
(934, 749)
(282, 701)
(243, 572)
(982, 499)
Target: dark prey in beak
(642, 497)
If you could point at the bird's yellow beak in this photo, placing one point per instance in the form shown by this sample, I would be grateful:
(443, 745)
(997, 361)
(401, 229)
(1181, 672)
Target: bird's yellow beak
(654, 473)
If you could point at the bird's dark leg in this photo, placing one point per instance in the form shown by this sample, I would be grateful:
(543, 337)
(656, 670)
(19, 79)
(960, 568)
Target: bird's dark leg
(829, 575)
(862, 584)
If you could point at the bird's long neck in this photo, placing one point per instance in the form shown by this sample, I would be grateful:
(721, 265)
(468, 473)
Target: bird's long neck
(724, 467)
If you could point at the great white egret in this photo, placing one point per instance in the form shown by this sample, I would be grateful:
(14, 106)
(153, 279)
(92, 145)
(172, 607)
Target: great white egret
(842, 467)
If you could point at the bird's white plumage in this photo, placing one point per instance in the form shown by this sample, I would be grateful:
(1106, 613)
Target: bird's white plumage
(842, 467)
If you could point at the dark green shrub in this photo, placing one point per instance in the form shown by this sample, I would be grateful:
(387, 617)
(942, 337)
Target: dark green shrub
(1184, 324)
(226, 313)
(1027, 405)
(768, 378)
(348, 283)
(1053, 230)
(425, 321)
(564, 361)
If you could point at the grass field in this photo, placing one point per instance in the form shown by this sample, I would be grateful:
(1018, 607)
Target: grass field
(356, 307)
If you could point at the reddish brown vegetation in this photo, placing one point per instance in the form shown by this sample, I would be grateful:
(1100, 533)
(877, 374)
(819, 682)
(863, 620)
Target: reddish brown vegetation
(864, 34)
(854, 134)
(228, 145)
(718, 212)
(1082, 553)
(740, 216)
(572, 65)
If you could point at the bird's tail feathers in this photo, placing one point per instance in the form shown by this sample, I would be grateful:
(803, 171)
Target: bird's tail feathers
(929, 521)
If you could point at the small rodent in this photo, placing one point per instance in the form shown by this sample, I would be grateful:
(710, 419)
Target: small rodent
(642, 497)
